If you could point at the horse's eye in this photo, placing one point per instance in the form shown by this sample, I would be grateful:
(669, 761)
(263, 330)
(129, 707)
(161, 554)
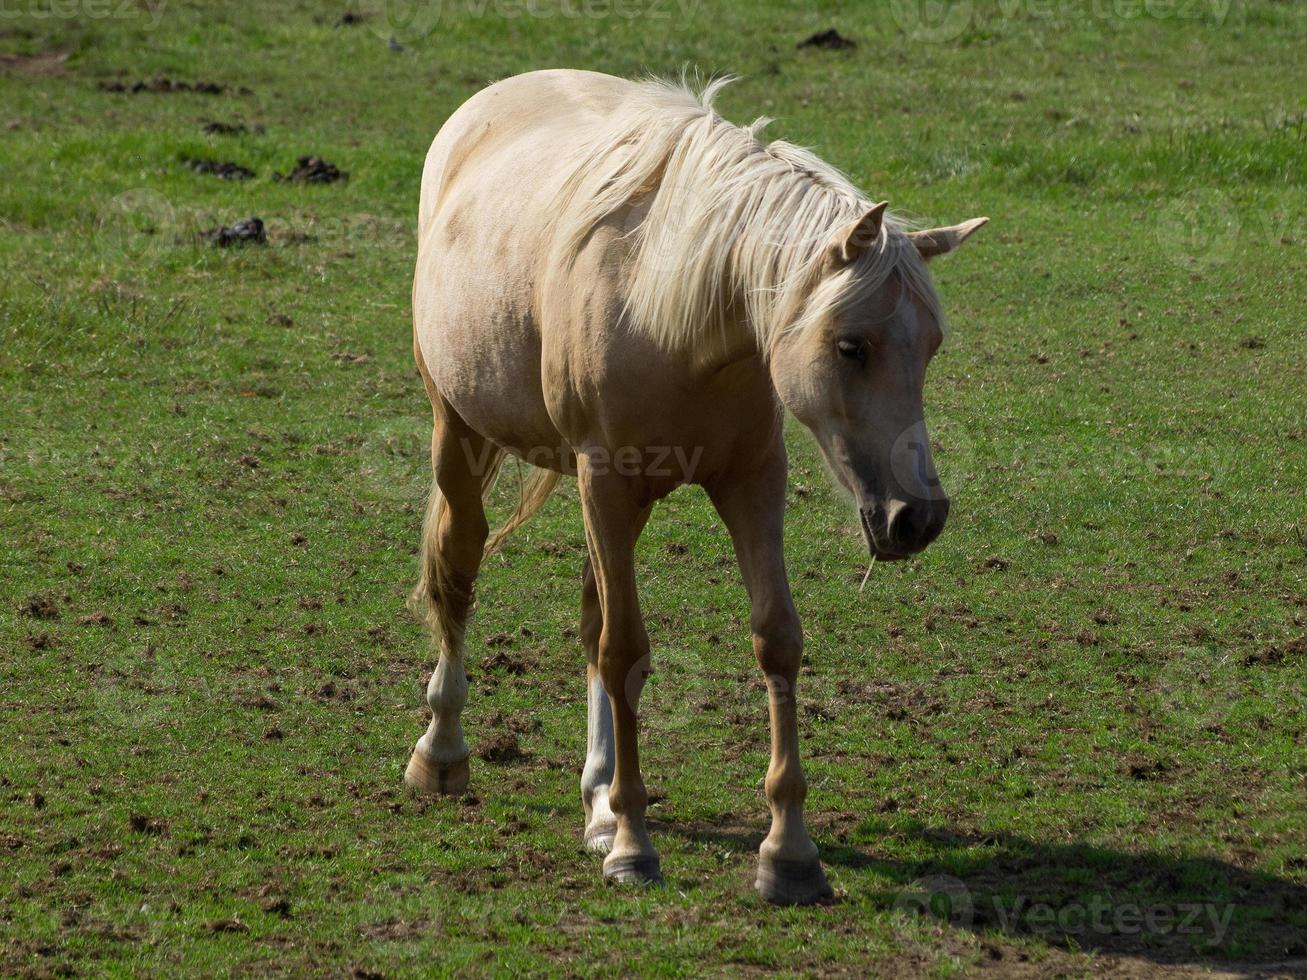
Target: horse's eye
(849, 347)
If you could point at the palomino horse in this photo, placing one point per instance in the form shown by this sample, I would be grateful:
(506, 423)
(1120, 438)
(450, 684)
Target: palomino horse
(613, 281)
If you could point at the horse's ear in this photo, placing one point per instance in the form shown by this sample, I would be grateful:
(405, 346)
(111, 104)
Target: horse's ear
(940, 241)
(857, 236)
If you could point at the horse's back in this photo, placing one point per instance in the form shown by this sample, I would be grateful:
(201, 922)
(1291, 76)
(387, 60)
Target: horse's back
(524, 124)
(489, 185)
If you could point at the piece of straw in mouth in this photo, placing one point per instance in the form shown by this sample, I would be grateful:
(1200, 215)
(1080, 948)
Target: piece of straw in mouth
(868, 575)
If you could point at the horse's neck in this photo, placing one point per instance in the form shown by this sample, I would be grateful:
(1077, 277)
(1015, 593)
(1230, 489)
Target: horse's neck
(730, 347)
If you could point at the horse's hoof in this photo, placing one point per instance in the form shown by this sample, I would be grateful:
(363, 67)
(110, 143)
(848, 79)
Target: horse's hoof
(636, 869)
(783, 882)
(436, 778)
(599, 836)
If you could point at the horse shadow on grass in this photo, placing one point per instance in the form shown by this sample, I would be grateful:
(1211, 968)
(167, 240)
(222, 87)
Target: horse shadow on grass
(1171, 910)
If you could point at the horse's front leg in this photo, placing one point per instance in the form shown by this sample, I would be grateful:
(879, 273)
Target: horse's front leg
(753, 508)
(614, 517)
(597, 776)
(600, 751)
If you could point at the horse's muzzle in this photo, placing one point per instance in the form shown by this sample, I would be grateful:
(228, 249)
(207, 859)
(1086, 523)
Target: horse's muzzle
(898, 529)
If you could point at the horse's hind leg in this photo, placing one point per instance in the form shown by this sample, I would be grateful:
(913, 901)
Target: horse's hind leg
(453, 536)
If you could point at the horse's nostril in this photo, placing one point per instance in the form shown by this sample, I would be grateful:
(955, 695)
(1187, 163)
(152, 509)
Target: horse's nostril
(917, 525)
(906, 528)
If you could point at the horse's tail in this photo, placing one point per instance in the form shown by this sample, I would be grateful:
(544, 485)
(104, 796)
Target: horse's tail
(436, 578)
(531, 496)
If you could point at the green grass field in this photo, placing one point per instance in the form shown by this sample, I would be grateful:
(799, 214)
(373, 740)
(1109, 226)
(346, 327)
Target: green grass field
(1070, 739)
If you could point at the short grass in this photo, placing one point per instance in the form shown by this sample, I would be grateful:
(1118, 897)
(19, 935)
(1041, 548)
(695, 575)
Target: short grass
(1067, 740)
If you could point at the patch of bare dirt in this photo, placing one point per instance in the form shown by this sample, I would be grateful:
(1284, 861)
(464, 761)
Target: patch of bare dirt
(350, 357)
(163, 85)
(510, 663)
(43, 64)
(396, 929)
(39, 607)
(224, 169)
(143, 824)
(228, 925)
(216, 127)
(828, 40)
(248, 231)
(501, 749)
(313, 170)
(1277, 653)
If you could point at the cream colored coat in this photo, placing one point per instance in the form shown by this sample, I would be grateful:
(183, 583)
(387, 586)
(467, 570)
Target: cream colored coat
(614, 282)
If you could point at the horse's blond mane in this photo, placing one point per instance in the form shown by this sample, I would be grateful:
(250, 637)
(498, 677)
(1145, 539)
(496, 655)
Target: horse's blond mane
(725, 229)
